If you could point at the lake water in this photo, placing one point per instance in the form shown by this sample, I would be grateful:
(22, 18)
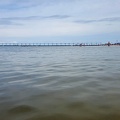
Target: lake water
(60, 83)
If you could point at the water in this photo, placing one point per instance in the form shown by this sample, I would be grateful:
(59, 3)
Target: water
(60, 83)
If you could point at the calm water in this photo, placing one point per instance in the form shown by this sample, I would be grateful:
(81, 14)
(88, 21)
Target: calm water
(60, 83)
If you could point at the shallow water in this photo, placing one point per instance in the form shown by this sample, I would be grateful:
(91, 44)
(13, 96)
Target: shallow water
(60, 83)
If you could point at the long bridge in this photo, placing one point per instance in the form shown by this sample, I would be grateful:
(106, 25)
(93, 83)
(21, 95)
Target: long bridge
(56, 44)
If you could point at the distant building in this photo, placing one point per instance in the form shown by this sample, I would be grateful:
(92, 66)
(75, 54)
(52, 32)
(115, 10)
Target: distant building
(109, 44)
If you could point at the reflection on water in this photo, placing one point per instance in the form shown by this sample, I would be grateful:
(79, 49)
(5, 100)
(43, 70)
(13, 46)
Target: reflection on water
(59, 83)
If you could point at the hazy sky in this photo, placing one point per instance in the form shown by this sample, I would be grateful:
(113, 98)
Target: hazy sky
(59, 21)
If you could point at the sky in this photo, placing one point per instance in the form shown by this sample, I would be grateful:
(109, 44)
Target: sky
(48, 21)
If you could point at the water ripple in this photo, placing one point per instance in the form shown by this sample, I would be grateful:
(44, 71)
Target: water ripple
(59, 83)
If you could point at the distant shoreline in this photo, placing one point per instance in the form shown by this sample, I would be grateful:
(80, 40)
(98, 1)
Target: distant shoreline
(57, 44)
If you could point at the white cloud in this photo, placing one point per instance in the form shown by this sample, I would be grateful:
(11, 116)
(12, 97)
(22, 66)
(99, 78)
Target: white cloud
(57, 28)
(45, 28)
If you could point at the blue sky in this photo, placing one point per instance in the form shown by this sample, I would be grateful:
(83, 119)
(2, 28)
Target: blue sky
(86, 21)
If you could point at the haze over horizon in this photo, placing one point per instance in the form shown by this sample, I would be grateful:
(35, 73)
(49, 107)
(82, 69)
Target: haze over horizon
(59, 21)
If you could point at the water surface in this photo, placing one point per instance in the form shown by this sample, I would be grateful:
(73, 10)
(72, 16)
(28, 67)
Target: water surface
(60, 83)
